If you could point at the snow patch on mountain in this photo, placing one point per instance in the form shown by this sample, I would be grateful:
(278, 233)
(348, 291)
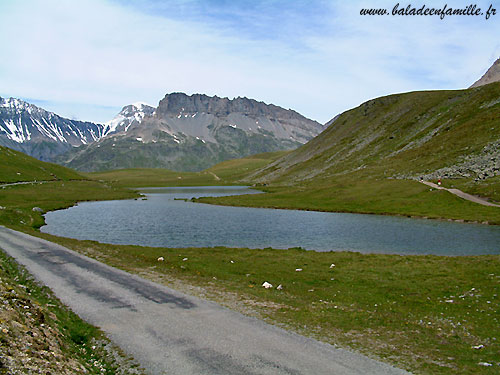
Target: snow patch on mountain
(40, 133)
(130, 114)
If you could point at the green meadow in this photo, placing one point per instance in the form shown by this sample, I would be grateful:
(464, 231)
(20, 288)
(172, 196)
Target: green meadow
(428, 314)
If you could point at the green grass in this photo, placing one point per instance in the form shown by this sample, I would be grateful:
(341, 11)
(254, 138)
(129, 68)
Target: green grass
(486, 188)
(18, 167)
(386, 197)
(403, 134)
(225, 173)
(238, 169)
(422, 313)
(363, 161)
(39, 310)
(379, 304)
(150, 177)
(17, 202)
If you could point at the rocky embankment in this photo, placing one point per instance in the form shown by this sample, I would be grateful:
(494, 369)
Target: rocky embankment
(479, 166)
(38, 335)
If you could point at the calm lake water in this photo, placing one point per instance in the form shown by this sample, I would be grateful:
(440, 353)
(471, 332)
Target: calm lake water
(165, 222)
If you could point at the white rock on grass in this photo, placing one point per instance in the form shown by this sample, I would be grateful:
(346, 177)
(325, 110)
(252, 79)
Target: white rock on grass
(279, 287)
(267, 285)
(298, 269)
(332, 265)
(161, 259)
(486, 364)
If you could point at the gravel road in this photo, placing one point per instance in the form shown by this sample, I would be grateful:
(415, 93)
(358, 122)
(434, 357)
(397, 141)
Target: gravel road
(168, 332)
(461, 194)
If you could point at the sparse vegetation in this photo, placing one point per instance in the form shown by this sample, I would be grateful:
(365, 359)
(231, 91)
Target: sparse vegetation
(39, 335)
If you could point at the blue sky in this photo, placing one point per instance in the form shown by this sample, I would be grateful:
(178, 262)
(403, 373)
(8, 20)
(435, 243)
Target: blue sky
(87, 59)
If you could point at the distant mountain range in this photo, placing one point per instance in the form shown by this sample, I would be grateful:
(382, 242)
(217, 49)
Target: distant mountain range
(191, 133)
(40, 133)
(183, 133)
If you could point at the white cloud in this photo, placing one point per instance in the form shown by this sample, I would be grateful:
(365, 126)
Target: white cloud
(101, 54)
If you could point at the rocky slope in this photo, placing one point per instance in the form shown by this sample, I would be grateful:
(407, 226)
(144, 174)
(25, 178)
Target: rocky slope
(40, 133)
(131, 114)
(192, 133)
(491, 75)
(39, 335)
(432, 134)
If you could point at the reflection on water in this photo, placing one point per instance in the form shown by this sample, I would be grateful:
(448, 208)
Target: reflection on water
(164, 220)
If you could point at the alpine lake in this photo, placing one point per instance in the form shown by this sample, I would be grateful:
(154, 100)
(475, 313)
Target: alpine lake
(165, 217)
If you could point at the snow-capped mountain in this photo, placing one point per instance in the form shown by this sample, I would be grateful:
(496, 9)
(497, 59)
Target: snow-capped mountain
(129, 115)
(40, 133)
(192, 133)
(183, 133)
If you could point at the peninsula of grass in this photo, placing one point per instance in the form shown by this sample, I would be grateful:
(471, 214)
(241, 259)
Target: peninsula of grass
(369, 196)
(23, 205)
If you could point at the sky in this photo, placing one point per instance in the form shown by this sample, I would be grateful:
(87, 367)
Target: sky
(87, 59)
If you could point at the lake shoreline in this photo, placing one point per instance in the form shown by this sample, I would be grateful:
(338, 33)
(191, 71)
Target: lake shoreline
(142, 222)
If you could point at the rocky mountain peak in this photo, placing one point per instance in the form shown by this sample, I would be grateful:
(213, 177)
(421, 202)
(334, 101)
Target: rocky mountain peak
(129, 115)
(491, 75)
(40, 133)
(180, 103)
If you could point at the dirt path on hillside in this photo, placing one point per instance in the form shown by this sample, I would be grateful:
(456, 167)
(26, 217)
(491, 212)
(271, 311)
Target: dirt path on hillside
(215, 176)
(461, 194)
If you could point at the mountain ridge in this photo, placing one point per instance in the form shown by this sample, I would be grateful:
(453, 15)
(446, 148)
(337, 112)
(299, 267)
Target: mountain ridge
(40, 133)
(429, 134)
(491, 75)
(193, 132)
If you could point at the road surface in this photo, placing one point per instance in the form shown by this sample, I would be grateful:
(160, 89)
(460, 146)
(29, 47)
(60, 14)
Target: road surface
(168, 332)
(461, 194)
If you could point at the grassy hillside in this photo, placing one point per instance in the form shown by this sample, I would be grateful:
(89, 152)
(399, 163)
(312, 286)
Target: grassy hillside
(18, 167)
(53, 187)
(404, 136)
(226, 173)
(123, 151)
(370, 158)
